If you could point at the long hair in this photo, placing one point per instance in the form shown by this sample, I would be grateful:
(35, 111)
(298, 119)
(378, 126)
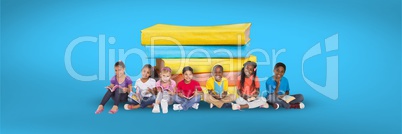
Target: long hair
(243, 75)
(152, 71)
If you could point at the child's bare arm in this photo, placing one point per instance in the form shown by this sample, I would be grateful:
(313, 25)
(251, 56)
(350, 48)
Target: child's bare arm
(180, 94)
(196, 93)
(172, 92)
(210, 92)
(137, 91)
(278, 83)
(239, 92)
(256, 92)
(129, 88)
(151, 90)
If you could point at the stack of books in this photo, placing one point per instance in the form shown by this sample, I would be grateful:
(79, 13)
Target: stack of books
(201, 47)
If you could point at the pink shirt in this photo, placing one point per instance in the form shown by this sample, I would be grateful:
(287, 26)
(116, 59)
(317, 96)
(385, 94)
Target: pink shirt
(166, 86)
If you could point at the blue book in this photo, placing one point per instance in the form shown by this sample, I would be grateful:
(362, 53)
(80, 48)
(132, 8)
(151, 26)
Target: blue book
(197, 51)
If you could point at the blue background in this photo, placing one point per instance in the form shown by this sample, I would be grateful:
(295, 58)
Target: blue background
(39, 96)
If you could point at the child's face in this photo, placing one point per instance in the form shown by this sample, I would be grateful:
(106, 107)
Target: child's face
(165, 76)
(188, 75)
(146, 72)
(249, 70)
(279, 72)
(218, 74)
(119, 71)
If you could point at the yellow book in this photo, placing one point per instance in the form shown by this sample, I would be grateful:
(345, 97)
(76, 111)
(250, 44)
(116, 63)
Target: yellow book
(287, 98)
(163, 34)
(204, 65)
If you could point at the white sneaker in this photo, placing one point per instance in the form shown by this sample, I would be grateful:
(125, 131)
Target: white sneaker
(275, 106)
(195, 105)
(265, 105)
(301, 105)
(126, 107)
(177, 107)
(211, 105)
(164, 105)
(156, 109)
(235, 106)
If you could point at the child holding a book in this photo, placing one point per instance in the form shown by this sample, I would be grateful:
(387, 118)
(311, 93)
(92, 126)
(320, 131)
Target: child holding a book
(248, 88)
(165, 87)
(217, 87)
(144, 95)
(278, 90)
(120, 85)
(188, 91)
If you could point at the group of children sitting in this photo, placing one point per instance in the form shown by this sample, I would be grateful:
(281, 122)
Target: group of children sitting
(186, 94)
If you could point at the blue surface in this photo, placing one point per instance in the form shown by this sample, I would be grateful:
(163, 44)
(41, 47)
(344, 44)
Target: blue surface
(40, 95)
(186, 52)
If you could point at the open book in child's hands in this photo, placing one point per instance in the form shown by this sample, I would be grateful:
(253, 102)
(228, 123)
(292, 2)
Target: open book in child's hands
(135, 97)
(112, 89)
(287, 98)
(251, 99)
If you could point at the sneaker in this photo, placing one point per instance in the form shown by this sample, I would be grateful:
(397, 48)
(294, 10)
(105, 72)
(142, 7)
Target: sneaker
(265, 105)
(297, 105)
(211, 105)
(177, 107)
(302, 105)
(235, 106)
(195, 105)
(275, 106)
(156, 109)
(164, 105)
(128, 107)
(99, 110)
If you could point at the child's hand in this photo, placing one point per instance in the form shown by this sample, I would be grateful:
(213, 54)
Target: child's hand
(170, 92)
(109, 88)
(149, 90)
(195, 93)
(115, 87)
(181, 95)
(280, 96)
(159, 89)
(245, 97)
(126, 90)
(190, 97)
(215, 95)
(224, 94)
(255, 95)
